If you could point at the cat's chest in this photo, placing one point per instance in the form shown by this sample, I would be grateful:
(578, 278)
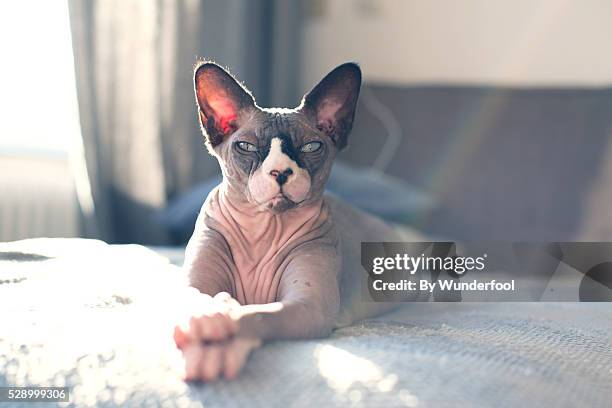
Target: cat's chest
(257, 272)
(262, 245)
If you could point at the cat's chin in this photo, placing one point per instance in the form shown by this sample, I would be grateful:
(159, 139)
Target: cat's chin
(279, 204)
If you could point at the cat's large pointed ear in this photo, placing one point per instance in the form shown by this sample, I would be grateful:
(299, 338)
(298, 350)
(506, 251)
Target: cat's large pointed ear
(220, 100)
(331, 104)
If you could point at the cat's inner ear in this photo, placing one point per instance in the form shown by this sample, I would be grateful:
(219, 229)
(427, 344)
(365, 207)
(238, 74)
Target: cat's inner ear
(220, 100)
(332, 102)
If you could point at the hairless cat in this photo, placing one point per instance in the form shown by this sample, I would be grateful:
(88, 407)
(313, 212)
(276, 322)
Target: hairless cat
(274, 256)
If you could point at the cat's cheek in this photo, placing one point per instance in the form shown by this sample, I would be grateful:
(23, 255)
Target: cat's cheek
(298, 186)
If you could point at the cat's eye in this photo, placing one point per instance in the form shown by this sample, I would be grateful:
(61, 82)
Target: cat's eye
(246, 146)
(311, 147)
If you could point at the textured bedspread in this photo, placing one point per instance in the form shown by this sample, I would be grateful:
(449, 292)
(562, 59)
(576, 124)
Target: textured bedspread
(98, 319)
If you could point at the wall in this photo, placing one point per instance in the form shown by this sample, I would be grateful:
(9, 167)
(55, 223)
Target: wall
(519, 42)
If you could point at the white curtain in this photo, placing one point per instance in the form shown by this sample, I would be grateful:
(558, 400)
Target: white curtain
(134, 64)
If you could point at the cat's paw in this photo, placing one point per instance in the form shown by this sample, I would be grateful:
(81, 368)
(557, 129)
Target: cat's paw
(215, 321)
(209, 362)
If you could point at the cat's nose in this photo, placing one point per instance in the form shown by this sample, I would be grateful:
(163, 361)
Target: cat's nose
(281, 176)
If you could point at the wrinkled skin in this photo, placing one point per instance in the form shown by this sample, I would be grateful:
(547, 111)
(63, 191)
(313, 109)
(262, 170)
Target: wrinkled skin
(271, 255)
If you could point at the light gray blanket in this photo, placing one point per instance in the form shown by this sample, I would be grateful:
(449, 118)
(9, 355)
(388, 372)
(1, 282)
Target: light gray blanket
(98, 319)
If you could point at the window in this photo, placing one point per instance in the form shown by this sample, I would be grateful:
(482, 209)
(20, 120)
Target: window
(37, 87)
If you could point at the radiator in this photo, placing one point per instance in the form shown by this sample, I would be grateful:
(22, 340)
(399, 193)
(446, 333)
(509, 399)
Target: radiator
(37, 198)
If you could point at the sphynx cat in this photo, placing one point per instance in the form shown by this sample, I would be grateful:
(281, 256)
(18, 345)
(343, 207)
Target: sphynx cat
(275, 257)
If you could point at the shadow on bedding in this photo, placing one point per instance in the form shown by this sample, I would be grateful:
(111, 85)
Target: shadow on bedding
(22, 257)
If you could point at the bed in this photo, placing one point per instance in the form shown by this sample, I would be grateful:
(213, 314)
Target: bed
(97, 318)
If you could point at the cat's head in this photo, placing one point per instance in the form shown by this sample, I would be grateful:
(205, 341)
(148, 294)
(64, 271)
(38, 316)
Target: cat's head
(277, 158)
